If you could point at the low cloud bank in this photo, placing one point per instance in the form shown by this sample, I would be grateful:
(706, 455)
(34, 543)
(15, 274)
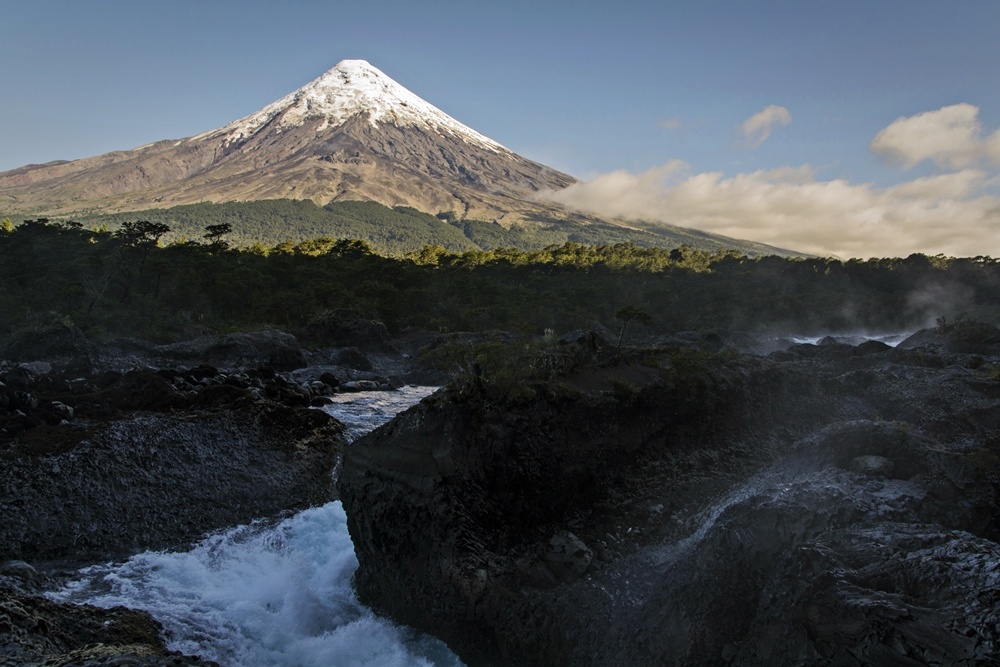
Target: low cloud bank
(951, 213)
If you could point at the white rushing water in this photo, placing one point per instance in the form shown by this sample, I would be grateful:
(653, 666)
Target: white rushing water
(273, 593)
(891, 339)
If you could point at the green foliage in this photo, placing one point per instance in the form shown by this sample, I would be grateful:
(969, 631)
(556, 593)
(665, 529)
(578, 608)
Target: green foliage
(215, 234)
(629, 314)
(398, 230)
(141, 234)
(272, 222)
(127, 283)
(506, 373)
(967, 331)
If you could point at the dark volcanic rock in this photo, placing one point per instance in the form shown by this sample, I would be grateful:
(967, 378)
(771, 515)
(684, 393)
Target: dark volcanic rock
(270, 347)
(838, 507)
(118, 394)
(352, 357)
(56, 342)
(347, 328)
(154, 480)
(886, 594)
(963, 337)
(471, 489)
(37, 631)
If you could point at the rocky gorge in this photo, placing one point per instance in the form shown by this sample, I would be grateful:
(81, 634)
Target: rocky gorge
(827, 504)
(683, 502)
(109, 450)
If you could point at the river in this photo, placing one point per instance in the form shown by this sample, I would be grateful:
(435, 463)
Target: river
(275, 593)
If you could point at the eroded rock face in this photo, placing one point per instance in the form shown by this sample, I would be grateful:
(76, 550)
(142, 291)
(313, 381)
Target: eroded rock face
(891, 593)
(833, 505)
(99, 465)
(154, 480)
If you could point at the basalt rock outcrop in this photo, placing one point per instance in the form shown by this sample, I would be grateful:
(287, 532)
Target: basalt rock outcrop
(826, 505)
(157, 480)
(65, 347)
(347, 328)
(98, 463)
(101, 466)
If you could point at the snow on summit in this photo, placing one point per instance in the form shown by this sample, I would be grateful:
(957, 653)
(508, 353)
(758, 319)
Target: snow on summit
(352, 88)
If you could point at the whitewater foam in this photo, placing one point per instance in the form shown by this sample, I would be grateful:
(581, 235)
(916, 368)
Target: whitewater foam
(892, 339)
(270, 594)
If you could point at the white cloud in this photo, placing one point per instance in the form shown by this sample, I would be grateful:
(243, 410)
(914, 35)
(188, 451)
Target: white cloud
(789, 208)
(951, 137)
(757, 128)
(955, 213)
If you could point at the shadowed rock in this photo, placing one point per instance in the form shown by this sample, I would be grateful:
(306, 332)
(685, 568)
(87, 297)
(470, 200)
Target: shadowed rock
(826, 506)
(156, 480)
(37, 631)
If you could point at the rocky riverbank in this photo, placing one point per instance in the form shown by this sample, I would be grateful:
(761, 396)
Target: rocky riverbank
(825, 504)
(678, 504)
(38, 631)
(110, 450)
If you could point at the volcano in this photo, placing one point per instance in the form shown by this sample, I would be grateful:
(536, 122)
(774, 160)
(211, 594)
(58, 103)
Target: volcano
(351, 134)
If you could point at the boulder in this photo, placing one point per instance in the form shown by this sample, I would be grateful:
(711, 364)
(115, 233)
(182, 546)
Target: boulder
(348, 328)
(352, 357)
(360, 385)
(19, 569)
(567, 556)
(874, 466)
(269, 347)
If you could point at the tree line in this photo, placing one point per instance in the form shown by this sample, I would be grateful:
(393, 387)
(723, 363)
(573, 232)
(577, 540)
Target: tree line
(392, 231)
(130, 283)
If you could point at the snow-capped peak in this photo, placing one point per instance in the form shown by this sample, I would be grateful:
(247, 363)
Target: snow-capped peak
(352, 88)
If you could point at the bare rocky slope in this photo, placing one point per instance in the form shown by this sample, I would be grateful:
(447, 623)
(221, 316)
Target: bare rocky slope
(825, 505)
(352, 134)
(355, 161)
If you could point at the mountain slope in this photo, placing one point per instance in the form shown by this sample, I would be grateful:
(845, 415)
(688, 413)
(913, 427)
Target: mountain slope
(353, 134)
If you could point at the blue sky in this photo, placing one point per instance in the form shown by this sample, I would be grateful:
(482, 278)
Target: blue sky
(647, 101)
